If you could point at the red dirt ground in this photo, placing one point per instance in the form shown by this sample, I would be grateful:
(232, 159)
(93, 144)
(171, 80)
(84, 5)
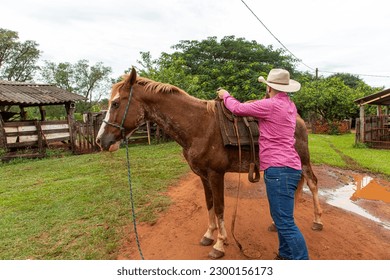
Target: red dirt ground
(176, 234)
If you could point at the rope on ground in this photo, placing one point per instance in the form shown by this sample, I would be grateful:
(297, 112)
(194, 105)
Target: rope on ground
(132, 199)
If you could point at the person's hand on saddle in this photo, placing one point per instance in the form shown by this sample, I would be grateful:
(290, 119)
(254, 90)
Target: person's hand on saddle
(221, 92)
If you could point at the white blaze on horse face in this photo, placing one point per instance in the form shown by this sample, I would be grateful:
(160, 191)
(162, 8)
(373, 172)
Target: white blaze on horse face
(103, 126)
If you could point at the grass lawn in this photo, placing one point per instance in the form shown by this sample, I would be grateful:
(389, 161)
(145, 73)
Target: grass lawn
(75, 207)
(322, 152)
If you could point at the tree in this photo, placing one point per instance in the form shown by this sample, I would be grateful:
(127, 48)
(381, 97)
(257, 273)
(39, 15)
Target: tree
(200, 67)
(330, 99)
(93, 81)
(353, 81)
(18, 60)
(61, 75)
(90, 81)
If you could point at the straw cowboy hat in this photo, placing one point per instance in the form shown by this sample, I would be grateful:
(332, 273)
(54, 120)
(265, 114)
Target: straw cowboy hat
(279, 79)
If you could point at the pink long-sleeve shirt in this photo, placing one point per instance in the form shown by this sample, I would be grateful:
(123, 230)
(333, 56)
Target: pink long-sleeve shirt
(277, 119)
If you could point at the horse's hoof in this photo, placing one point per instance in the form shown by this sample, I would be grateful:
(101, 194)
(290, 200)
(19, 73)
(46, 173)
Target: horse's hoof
(216, 254)
(272, 228)
(206, 241)
(317, 226)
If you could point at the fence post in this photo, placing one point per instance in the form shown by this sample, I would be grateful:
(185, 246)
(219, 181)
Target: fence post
(70, 108)
(362, 124)
(148, 130)
(357, 132)
(3, 140)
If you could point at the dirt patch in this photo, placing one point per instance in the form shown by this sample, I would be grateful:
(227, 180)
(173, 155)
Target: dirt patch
(176, 235)
(350, 162)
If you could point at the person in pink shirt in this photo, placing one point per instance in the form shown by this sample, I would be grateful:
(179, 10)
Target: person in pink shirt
(278, 158)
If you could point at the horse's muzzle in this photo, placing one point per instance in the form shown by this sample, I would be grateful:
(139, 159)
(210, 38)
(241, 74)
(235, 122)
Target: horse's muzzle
(107, 142)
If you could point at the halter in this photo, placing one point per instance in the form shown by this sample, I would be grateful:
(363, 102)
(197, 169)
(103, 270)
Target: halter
(121, 127)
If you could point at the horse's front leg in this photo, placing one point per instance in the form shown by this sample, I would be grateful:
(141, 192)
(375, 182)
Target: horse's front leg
(216, 181)
(208, 237)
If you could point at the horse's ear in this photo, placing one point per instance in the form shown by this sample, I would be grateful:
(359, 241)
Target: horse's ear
(130, 81)
(133, 76)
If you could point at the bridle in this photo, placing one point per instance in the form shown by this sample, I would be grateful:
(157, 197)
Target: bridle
(121, 127)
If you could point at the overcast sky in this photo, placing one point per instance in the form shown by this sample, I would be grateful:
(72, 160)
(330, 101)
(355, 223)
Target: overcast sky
(331, 35)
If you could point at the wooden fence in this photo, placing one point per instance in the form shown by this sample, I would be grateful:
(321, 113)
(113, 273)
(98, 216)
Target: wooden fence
(376, 131)
(34, 136)
(31, 138)
(84, 133)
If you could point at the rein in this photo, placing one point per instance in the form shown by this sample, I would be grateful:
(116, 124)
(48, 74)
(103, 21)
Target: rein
(257, 177)
(124, 138)
(234, 216)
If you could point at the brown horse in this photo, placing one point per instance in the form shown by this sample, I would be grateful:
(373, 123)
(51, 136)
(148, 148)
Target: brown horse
(193, 124)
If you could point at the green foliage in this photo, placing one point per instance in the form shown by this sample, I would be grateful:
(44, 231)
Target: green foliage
(61, 75)
(330, 98)
(349, 80)
(18, 60)
(93, 82)
(200, 67)
(53, 112)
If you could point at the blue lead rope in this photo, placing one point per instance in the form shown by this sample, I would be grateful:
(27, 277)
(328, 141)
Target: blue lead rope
(132, 200)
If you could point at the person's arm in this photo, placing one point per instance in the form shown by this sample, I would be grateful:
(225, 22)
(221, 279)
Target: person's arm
(257, 109)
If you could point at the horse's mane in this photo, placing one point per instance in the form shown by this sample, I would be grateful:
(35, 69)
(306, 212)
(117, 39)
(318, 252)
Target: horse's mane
(159, 87)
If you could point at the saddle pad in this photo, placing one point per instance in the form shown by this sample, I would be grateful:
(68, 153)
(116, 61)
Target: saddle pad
(226, 124)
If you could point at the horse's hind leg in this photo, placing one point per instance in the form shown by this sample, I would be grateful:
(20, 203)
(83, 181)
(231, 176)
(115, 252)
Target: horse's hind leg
(208, 238)
(311, 180)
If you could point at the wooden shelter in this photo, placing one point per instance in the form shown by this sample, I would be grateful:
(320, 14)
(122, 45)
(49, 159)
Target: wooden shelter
(374, 130)
(34, 134)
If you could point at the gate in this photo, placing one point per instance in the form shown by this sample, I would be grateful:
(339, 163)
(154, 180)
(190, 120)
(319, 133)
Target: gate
(376, 131)
(84, 133)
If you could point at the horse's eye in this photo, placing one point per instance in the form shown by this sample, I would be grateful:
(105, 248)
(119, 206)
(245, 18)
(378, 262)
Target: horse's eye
(115, 104)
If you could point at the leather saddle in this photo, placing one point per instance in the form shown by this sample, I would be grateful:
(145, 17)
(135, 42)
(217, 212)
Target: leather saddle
(242, 132)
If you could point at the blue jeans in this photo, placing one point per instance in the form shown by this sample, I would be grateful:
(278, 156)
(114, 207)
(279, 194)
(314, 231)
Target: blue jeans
(281, 183)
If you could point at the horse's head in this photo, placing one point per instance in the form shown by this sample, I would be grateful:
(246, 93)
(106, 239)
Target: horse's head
(124, 115)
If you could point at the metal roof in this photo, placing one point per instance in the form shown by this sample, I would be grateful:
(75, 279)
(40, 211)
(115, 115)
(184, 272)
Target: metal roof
(379, 98)
(16, 93)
